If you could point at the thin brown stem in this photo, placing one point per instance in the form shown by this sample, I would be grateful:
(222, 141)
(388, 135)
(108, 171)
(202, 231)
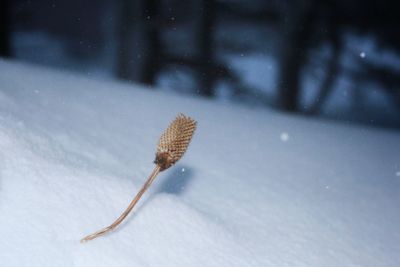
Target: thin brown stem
(128, 210)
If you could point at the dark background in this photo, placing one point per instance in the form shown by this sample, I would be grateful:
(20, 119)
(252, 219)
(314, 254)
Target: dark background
(333, 59)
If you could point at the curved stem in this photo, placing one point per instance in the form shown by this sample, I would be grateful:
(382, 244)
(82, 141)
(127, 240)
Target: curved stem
(127, 211)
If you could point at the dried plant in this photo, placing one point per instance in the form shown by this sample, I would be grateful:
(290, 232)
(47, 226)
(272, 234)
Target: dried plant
(171, 147)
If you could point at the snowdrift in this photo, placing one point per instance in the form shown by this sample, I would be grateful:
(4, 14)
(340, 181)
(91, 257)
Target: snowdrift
(255, 188)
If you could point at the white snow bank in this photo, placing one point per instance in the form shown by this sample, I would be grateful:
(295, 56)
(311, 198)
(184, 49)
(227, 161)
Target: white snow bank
(73, 153)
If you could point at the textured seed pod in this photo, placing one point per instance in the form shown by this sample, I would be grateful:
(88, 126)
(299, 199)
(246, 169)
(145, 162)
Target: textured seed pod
(171, 147)
(174, 141)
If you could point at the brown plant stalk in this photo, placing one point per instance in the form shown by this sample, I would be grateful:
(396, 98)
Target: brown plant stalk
(172, 145)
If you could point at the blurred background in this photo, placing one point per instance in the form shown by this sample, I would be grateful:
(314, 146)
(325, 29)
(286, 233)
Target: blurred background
(337, 60)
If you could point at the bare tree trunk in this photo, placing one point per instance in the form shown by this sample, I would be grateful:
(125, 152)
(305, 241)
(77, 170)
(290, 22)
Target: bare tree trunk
(331, 72)
(297, 30)
(206, 47)
(5, 31)
(127, 58)
(139, 46)
(153, 53)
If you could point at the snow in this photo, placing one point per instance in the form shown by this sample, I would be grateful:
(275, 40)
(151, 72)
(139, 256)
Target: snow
(284, 137)
(74, 152)
(257, 70)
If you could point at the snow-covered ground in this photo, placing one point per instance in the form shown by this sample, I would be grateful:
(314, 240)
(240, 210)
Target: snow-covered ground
(256, 188)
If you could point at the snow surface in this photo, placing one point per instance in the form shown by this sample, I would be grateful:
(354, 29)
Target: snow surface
(74, 152)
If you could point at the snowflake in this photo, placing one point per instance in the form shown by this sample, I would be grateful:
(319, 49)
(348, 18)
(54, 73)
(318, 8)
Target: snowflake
(284, 137)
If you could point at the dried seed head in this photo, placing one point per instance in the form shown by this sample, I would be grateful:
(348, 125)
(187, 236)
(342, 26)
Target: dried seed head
(171, 147)
(174, 141)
